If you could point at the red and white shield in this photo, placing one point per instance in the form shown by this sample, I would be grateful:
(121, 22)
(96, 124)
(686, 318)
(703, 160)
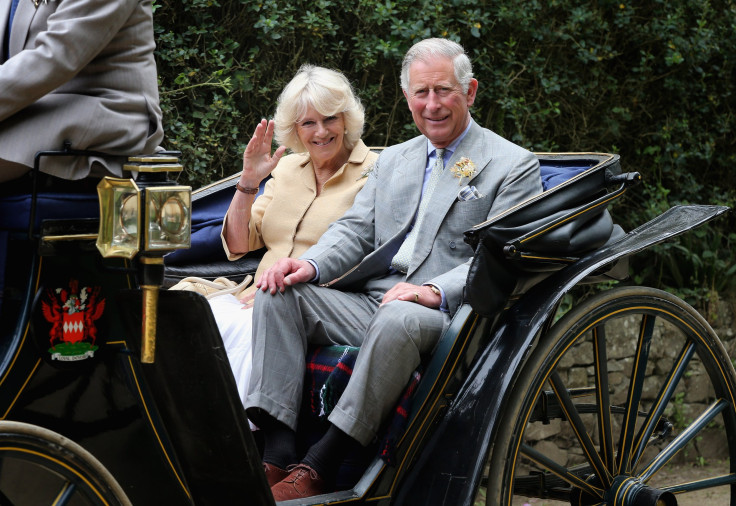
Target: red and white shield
(73, 327)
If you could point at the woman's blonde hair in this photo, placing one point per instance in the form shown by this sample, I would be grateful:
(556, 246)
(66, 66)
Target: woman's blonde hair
(329, 93)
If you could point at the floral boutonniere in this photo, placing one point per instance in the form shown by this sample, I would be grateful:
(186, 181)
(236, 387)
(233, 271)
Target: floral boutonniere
(463, 168)
(37, 2)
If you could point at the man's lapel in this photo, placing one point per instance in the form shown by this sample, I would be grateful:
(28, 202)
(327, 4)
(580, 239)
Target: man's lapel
(407, 178)
(448, 187)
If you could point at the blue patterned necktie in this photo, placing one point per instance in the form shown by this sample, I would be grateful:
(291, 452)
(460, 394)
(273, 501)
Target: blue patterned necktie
(402, 258)
(13, 7)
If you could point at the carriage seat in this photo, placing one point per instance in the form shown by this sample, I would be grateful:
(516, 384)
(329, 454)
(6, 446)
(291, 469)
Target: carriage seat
(51, 203)
(206, 257)
(329, 367)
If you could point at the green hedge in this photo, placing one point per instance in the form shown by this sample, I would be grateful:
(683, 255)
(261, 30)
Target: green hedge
(652, 81)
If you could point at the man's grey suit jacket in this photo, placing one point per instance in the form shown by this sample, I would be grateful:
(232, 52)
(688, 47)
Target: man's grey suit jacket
(370, 232)
(83, 71)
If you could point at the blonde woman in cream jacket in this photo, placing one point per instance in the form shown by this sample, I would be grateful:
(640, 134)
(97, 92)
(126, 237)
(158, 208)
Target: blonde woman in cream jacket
(320, 120)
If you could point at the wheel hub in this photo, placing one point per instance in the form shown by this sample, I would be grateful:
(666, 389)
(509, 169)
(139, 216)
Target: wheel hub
(624, 491)
(629, 491)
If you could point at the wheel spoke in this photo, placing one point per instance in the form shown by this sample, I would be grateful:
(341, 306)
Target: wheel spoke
(66, 494)
(663, 397)
(579, 428)
(680, 441)
(602, 396)
(634, 396)
(692, 486)
(560, 471)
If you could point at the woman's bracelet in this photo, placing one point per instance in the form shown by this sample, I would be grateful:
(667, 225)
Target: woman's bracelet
(243, 189)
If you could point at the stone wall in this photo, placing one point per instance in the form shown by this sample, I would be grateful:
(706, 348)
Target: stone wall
(693, 394)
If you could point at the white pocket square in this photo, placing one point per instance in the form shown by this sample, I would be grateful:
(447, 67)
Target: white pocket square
(469, 193)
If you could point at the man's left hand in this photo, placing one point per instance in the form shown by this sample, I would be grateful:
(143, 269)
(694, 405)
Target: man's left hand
(413, 293)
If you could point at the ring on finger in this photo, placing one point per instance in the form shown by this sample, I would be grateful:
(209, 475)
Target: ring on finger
(416, 296)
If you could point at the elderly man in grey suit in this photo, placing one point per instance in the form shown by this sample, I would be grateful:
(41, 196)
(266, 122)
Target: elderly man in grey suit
(400, 266)
(81, 71)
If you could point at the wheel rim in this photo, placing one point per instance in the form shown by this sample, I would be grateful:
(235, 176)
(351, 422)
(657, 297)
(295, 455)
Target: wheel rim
(620, 438)
(61, 482)
(38, 466)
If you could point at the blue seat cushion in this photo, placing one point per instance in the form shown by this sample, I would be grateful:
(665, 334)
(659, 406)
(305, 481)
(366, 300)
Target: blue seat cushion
(15, 215)
(15, 210)
(208, 213)
(554, 174)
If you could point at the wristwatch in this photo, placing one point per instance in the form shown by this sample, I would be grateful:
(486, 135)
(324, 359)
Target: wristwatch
(435, 289)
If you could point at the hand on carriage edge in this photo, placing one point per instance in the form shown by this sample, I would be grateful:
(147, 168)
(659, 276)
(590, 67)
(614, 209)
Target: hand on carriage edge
(319, 118)
(395, 265)
(86, 87)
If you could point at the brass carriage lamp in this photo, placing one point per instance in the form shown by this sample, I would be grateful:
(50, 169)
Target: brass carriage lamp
(145, 218)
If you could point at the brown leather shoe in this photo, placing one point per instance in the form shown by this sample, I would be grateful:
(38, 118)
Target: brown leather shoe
(303, 481)
(274, 474)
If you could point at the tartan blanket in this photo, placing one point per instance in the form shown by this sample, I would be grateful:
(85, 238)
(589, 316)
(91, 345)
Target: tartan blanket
(328, 371)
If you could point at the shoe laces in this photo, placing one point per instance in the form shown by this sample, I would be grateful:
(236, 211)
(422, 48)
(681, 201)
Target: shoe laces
(303, 470)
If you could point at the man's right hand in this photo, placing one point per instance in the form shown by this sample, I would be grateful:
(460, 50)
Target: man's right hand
(286, 272)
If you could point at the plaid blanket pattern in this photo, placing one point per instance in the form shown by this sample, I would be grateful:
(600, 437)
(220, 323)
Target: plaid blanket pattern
(328, 371)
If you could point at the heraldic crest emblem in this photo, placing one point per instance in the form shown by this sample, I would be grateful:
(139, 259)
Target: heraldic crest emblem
(72, 314)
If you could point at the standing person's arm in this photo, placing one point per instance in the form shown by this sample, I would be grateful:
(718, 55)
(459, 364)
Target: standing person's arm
(76, 33)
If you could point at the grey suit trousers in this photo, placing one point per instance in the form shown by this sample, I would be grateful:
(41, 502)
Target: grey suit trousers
(392, 338)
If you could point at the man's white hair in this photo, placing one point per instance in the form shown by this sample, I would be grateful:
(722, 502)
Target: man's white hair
(428, 49)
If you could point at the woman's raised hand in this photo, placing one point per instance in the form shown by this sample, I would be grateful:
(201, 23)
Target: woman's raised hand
(257, 159)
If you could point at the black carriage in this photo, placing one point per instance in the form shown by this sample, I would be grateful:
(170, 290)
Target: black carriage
(114, 390)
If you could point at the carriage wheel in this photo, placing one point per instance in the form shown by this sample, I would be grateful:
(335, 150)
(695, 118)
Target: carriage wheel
(621, 387)
(38, 466)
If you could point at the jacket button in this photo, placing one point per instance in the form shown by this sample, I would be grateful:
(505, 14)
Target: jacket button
(452, 244)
